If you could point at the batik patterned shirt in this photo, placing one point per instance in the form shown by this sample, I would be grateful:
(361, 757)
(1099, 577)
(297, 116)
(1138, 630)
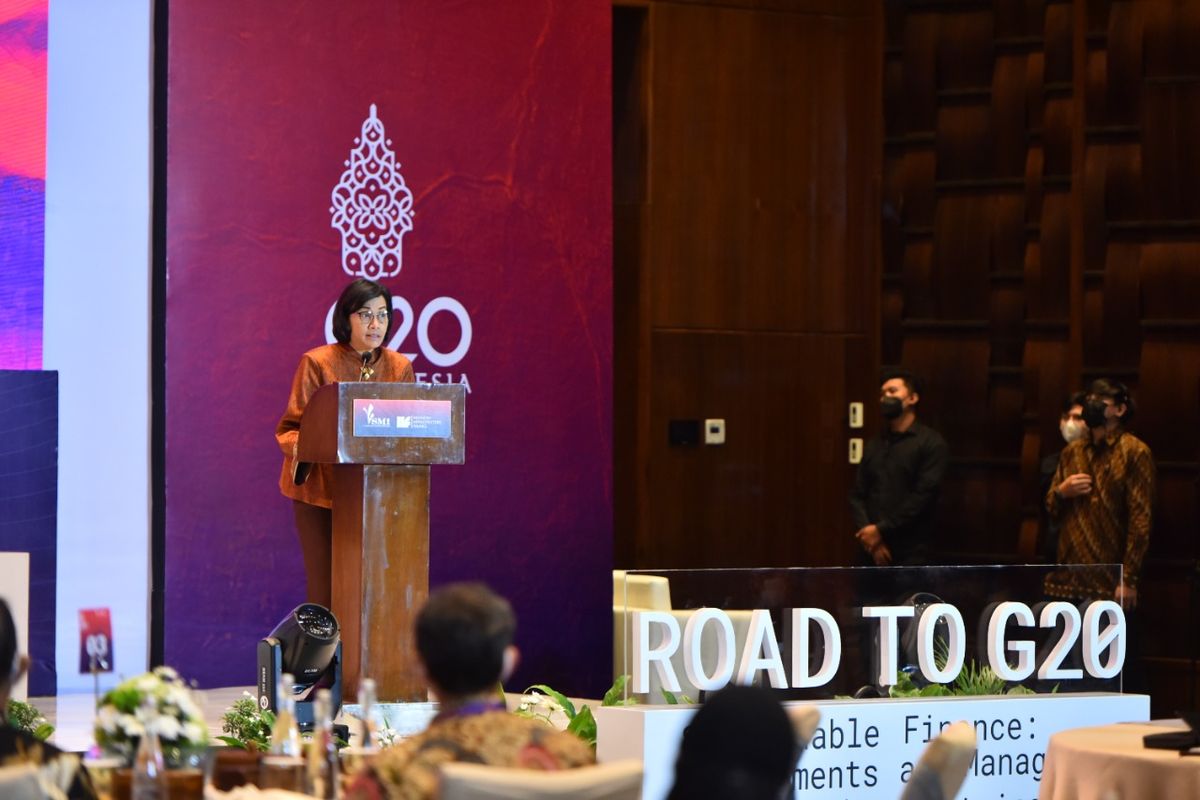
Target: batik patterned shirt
(1111, 524)
(60, 774)
(410, 770)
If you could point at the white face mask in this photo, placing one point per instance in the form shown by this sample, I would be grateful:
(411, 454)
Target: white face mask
(1072, 429)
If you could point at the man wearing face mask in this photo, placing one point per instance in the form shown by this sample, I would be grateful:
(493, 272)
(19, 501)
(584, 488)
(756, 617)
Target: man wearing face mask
(1072, 427)
(1101, 497)
(897, 484)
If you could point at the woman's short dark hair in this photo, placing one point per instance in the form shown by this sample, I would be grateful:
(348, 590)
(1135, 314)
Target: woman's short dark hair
(355, 296)
(462, 633)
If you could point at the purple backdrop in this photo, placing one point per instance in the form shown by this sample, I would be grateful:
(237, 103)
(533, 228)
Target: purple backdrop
(29, 499)
(498, 115)
(22, 181)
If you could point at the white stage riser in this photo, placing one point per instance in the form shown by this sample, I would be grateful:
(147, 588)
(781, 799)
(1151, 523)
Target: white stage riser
(865, 749)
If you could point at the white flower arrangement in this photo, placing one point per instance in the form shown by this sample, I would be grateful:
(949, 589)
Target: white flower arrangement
(177, 720)
(386, 735)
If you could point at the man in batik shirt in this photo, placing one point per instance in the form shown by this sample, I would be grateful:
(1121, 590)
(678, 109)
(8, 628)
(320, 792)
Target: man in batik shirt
(464, 640)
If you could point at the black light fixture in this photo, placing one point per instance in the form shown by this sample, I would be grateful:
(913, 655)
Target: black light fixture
(307, 644)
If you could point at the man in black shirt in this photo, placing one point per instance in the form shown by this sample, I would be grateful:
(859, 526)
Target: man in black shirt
(898, 481)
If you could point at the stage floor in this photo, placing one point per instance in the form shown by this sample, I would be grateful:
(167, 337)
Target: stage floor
(72, 715)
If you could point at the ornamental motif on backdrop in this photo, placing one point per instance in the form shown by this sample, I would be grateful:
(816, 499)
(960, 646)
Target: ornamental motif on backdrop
(372, 207)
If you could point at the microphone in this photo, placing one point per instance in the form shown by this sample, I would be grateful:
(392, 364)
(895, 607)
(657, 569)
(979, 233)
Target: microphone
(366, 372)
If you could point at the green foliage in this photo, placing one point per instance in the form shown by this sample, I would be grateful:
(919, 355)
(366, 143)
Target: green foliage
(615, 696)
(671, 698)
(583, 725)
(28, 718)
(978, 680)
(126, 699)
(904, 687)
(580, 722)
(248, 726)
(972, 680)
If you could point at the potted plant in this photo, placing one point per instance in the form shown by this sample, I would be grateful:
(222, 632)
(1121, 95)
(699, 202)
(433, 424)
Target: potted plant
(247, 736)
(541, 702)
(247, 726)
(26, 717)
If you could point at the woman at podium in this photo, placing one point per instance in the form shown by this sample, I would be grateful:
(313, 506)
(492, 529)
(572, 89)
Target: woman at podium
(361, 323)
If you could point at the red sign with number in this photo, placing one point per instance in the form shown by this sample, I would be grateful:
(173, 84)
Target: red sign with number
(95, 640)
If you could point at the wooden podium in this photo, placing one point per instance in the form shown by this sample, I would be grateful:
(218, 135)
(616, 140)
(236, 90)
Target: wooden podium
(381, 439)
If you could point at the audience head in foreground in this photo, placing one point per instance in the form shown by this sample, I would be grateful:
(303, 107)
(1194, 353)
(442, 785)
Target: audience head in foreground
(741, 744)
(464, 635)
(58, 774)
(12, 663)
(465, 642)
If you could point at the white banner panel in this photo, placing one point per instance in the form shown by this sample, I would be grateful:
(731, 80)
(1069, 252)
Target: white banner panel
(866, 749)
(97, 320)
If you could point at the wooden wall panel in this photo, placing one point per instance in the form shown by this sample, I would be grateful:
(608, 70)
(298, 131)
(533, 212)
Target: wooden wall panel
(767, 497)
(1009, 114)
(916, 178)
(1096, 88)
(955, 368)
(1124, 72)
(1170, 161)
(1047, 278)
(750, 268)
(1034, 190)
(962, 257)
(1007, 235)
(1092, 146)
(1028, 219)
(751, 166)
(1118, 333)
(631, 98)
(1123, 183)
(965, 148)
(1057, 120)
(921, 32)
(964, 50)
(918, 300)
(1170, 32)
(1057, 43)
(1017, 19)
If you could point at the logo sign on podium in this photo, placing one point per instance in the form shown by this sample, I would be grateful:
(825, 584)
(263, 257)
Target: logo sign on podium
(413, 419)
(95, 640)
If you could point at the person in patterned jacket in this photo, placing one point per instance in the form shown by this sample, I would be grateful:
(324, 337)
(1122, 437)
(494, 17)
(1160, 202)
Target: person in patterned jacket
(58, 774)
(465, 642)
(1102, 496)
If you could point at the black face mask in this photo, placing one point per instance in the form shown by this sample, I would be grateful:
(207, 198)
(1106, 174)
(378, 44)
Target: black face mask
(891, 407)
(1093, 414)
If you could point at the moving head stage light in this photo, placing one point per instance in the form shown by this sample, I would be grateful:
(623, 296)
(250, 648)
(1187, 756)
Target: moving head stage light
(306, 643)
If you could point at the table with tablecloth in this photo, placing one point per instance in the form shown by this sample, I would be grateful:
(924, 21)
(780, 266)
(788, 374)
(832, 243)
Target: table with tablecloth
(1110, 762)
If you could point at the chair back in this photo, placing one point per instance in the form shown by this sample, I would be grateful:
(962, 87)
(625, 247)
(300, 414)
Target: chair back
(20, 782)
(652, 592)
(943, 765)
(804, 722)
(618, 780)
